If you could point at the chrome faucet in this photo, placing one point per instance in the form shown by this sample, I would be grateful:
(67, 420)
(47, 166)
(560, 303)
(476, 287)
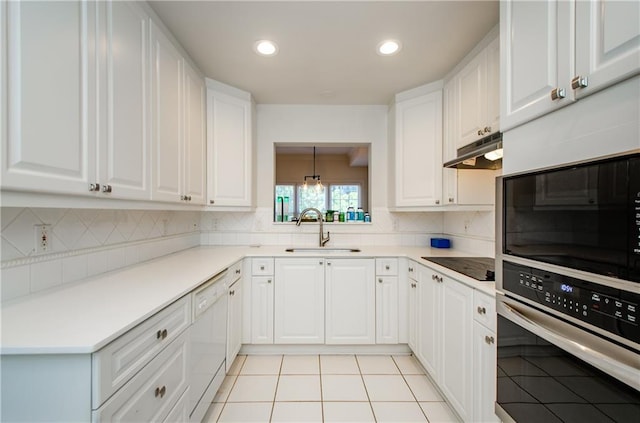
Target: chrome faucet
(322, 239)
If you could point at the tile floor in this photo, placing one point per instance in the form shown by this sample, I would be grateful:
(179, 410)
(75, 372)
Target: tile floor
(327, 388)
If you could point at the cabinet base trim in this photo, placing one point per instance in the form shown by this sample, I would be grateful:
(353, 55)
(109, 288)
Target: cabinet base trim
(325, 349)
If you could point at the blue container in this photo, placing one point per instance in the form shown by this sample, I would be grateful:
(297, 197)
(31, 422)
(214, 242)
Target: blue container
(440, 243)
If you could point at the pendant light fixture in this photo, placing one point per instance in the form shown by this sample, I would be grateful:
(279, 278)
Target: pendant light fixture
(314, 176)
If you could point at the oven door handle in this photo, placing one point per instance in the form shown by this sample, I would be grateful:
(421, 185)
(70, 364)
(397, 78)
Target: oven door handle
(604, 355)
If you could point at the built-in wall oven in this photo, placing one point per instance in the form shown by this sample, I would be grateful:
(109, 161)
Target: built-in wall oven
(568, 293)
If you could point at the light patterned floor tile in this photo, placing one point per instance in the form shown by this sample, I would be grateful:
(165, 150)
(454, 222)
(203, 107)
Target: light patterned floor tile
(254, 412)
(343, 388)
(262, 365)
(300, 365)
(339, 365)
(387, 388)
(298, 388)
(351, 412)
(253, 389)
(377, 365)
(298, 412)
(398, 412)
(408, 365)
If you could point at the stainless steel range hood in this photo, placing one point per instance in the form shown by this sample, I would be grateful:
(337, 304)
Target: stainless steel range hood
(472, 156)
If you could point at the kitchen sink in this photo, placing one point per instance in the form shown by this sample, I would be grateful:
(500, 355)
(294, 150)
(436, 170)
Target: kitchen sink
(322, 250)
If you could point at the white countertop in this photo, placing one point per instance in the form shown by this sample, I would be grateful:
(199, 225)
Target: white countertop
(83, 317)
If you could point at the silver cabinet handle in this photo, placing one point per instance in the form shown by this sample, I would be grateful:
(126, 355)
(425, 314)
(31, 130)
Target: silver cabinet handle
(106, 188)
(487, 129)
(489, 339)
(162, 334)
(94, 187)
(411, 269)
(160, 392)
(413, 285)
(579, 82)
(482, 310)
(237, 271)
(480, 132)
(451, 199)
(558, 93)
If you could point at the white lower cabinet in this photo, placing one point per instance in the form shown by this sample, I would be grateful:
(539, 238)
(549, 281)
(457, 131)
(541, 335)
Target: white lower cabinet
(262, 310)
(299, 301)
(386, 309)
(443, 335)
(350, 315)
(234, 315)
(153, 392)
(180, 411)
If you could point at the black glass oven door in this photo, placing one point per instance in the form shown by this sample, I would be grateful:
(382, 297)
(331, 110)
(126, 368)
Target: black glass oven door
(539, 381)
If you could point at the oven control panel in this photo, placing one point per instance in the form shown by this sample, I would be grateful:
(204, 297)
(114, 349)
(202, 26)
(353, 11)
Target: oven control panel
(611, 309)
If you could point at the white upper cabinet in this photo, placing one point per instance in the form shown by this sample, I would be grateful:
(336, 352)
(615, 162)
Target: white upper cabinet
(476, 96)
(551, 49)
(229, 147)
(123, 141)
(607, 43)
(48, 96)
(195, 143)
(167, 117)
(178, 130)
(416, 167)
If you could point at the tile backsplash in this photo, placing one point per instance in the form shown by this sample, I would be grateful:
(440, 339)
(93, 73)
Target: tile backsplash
(86, 242)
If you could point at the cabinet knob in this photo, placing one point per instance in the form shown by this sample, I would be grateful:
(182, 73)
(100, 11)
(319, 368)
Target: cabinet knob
(451, 199)
(268, 280)
(161, 334)
(489, 339)
(328, 263)
(94, 187)
(558, 93)
(237, 271)
(161, 391)
(379, 280)
(413, 285)
(387, 267)
(106, 188)
(482, 310)
(487, 129)
(480, 132)
(261, 267)
(437, 201)
(320, 262)
(579, 82)
(211, 201)
(411, 269)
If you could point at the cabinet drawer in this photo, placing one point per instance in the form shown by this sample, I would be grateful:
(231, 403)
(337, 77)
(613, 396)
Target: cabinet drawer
(262, 266)
(235, 272)
(151, 395)
(119, 361)
(387, 266)
(484, 310)
(180, 412)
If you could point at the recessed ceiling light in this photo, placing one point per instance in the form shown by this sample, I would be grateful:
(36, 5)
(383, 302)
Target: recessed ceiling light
(388, 47)
(265, 47)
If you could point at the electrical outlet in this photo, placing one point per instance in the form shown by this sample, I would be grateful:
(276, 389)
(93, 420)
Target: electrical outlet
(42, 238)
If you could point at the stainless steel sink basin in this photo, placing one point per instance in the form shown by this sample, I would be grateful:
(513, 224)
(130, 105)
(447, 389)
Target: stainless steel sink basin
(322, 250)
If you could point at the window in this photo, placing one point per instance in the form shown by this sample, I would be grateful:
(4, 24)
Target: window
(335, 197)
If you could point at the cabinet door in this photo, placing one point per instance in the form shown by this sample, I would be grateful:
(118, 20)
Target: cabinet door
(387, 310)
(299, 301)
(166, 130)
(429, 321)
(123, 142)
(484, 374)
(262, 310)
(234, 323)
(449, 143)
(456, 376)
(47, 138)
(350, 301)
(418, 151)
(492, 93)
(413, 313)
(536, 40)
(194, 136)
(229, 143)
(471, 100)
(607, 42)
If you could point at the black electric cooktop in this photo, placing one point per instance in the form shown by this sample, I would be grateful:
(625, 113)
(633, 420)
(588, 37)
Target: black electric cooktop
(480, 268)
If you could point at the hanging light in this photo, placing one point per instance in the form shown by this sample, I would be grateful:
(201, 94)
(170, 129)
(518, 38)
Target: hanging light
(315, 177)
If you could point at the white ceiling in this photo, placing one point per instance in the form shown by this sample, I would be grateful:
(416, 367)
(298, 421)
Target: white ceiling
(327, 48)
